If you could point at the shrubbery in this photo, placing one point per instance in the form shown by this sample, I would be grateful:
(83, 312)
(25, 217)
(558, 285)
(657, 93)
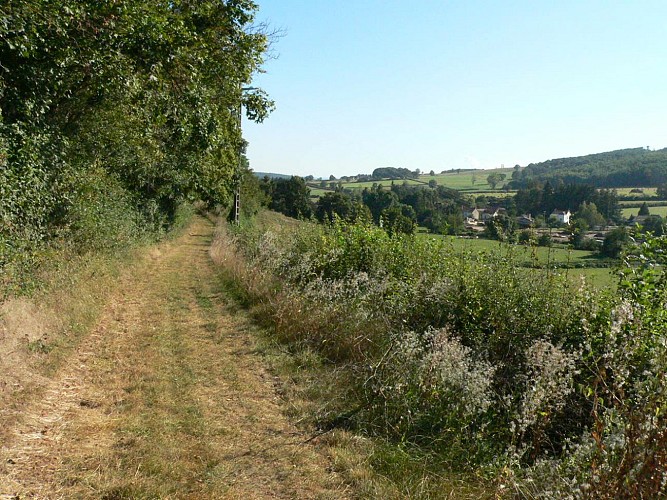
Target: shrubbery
(115, 114)
(557, 389)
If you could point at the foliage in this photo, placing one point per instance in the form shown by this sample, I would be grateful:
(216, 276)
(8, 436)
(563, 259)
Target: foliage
(501, 228)
(615, 241)
(545, 240)
(588, 212)
(655, 225)
(560, 392)
(495, 178)
(622, 168)
(394, 173)
(544, 199)
(398, 219)
(623, 453)
(114, 114)
(288, 196)
(342, 206)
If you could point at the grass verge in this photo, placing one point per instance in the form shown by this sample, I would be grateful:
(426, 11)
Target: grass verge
(316, 394)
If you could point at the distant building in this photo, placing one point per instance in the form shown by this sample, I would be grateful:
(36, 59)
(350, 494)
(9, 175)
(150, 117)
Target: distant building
(525, 220)
(483, 214)
(493, 212)
(562, 216)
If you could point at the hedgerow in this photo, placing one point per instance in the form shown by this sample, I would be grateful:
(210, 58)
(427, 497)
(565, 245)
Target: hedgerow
(115, 114)
(554, 389)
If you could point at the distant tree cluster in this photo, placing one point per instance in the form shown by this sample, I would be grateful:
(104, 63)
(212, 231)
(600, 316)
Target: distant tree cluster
(394, 173)
(495, 178)
(398, 209)
(288, 196)
(543, 199)
(626, 167)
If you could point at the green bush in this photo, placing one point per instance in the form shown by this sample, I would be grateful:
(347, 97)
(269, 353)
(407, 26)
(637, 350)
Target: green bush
(484, 362)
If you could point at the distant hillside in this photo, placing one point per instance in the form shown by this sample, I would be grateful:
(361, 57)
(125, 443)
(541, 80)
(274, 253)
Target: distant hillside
(270, 175)
(636, 167)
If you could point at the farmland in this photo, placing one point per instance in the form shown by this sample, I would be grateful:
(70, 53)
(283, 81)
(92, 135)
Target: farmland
(468, 181)
(660, 210)
(574, 263)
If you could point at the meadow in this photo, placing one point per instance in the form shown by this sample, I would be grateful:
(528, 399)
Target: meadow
(471, 181)
(574, 264)
(646, 192)
(660, 210)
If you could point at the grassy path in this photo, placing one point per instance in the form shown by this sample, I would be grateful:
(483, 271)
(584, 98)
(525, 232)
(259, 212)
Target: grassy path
(165, 398)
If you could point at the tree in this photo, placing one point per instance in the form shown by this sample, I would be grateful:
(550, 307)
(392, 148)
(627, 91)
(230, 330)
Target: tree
(493, 179)
(137, 101)
(654, 224)
(588, 212)
(431, 173)
(396, 219)
(544, 240)
(289, 196)
(662, 191)
(501, 228)
(340, 205)
(578, 237)
(643, 210)
(527, 237)
(615, 242)
(378, 200)
(432, 183)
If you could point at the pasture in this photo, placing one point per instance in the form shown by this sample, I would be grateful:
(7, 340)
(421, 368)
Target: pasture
(469, 182)
(570, 262)
(660, 210)
(647, 192)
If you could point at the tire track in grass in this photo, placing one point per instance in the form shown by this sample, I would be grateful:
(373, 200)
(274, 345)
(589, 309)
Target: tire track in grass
(165, 399)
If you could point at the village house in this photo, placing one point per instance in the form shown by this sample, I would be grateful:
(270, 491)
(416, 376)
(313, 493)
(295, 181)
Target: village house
(492, 213)
(562, 216)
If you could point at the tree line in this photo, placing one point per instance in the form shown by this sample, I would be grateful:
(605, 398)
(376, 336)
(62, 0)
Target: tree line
(112, 114)
(397, 208)
(635, 167)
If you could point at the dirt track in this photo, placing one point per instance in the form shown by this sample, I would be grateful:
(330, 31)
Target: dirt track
(165, 398)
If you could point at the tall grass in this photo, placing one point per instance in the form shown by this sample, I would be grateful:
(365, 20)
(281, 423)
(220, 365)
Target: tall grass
(468, 356)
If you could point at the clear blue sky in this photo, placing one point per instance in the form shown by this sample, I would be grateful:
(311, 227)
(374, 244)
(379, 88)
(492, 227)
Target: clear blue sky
(437, 85)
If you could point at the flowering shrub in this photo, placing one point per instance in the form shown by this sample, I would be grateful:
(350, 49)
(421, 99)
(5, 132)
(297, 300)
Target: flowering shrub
(562, 390)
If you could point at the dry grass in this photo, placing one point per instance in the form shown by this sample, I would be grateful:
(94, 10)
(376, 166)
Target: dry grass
(39, 333)
(166, 398)
(314, 391)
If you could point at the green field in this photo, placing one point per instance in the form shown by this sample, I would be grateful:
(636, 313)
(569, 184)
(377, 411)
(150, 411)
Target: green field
(647, 192)
(543, 255)
(540, 256)
(655, 210)
(472, 181)
(599, 277)
(317, 192)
